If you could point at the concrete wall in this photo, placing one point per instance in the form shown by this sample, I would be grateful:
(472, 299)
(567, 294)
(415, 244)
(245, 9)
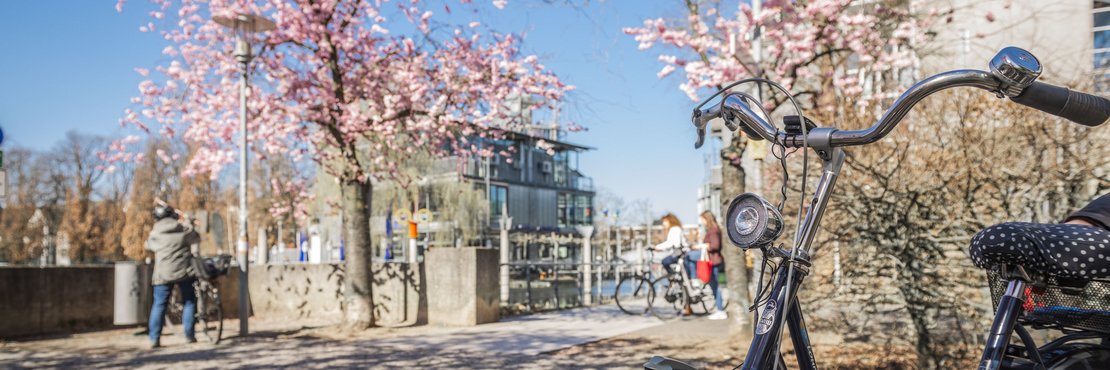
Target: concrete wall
(54, 300)
(315, 292)
(463, 285)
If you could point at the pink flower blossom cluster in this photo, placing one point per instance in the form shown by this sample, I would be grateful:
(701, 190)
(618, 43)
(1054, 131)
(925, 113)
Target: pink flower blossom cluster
(356, 85)
(803, 41)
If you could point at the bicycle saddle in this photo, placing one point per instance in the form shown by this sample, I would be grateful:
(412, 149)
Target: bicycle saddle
(1073, 251)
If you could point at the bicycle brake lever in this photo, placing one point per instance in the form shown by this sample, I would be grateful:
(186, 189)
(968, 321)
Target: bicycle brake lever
(701, 138)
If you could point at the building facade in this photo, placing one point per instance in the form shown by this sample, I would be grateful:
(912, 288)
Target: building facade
(537, 181)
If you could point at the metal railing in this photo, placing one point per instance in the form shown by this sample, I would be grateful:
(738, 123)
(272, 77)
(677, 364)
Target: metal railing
(544, 285)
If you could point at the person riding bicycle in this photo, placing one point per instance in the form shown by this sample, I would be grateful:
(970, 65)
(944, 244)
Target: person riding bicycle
(674, 243)
(173, 245)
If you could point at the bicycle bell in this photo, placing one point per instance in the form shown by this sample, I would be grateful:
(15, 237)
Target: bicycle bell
(1016, 69)
(752, 222)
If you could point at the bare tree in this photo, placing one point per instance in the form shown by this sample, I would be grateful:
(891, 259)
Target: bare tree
(77, 163)
(907, 207)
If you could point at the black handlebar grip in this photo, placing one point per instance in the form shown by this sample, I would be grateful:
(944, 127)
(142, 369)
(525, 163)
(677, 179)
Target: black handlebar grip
(1081, 108)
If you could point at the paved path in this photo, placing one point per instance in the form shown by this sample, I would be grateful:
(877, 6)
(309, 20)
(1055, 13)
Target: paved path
(531, 334)
(567, 339)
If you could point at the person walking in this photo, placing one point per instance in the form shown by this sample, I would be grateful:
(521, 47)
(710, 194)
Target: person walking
(173, 245)
(711, 244)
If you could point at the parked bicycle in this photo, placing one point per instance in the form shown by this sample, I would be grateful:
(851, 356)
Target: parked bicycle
(1029, 291)
(209, 314)
(676, 291)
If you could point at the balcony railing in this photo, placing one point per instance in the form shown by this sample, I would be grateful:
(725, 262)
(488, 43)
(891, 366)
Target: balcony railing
(583, 183)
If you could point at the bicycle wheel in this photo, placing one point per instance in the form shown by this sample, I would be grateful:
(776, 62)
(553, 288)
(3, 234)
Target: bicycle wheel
(632, 295)
(701, 300)
(669, 299)
(209, 314)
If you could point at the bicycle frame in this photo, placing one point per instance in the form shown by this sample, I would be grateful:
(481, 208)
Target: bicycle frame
(764, 350)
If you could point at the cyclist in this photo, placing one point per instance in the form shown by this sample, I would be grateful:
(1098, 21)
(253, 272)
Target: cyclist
(674, 242)
(172, 244)
(1080, 246)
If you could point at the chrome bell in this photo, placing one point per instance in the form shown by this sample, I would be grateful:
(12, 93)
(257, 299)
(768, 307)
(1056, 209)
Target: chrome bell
(1016, 68)
(752, 222)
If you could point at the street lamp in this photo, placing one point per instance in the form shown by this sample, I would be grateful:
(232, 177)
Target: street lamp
(244, 25)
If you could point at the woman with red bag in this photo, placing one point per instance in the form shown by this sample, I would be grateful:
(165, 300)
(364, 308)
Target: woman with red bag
(707, 261)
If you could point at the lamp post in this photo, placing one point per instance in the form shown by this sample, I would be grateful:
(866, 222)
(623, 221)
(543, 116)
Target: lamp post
(244, 25)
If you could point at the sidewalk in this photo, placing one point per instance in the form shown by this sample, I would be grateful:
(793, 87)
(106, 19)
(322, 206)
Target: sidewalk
(595, 337)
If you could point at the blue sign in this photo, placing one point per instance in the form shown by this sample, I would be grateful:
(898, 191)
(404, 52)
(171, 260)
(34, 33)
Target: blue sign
(1, 136)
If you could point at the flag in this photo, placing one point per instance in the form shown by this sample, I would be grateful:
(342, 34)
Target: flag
(388, 255)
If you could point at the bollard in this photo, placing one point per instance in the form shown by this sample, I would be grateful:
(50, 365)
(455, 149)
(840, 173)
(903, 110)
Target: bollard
(587, 263)
(528, 284)
(126, 309)
(555, 284)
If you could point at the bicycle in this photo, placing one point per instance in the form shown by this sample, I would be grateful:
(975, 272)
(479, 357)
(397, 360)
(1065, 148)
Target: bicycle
(1026, 294)
(636, 289)
(209, 314)
(677, 292)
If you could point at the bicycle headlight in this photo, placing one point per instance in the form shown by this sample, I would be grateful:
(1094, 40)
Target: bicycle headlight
(752, 222)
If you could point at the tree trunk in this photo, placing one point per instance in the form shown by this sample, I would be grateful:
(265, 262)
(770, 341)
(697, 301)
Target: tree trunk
(736, 270)
(358, 282)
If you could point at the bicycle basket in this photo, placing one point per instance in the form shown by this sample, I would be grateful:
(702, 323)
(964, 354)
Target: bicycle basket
(218, 265)
(1063, 304)
(211, 267)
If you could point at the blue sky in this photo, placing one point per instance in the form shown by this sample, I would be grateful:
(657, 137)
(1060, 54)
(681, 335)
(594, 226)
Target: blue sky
(69, 65)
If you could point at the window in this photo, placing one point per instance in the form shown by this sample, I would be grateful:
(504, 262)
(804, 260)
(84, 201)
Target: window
(563, 209)
(561, 160)
(574, 210)
(584, 210)
(1102, 60)
(498, 200)
(1102, 39)
(1102, 19)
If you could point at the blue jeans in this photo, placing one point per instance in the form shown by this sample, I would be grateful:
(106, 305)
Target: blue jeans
(667, 262)
(692, 263)
(158, 311)
(714, 284)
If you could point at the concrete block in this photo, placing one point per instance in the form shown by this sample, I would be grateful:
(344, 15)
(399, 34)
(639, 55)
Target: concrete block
(315, 292)
(55, 299)
(462, 286)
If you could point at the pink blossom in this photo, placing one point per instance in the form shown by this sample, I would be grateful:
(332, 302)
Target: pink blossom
(402, 90)
(798, 37)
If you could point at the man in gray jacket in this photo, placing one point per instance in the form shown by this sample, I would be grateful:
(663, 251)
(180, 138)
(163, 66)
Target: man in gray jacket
(173, 245)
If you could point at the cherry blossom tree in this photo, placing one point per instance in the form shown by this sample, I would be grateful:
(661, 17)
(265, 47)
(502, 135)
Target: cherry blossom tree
(824, 51)
(356, 86)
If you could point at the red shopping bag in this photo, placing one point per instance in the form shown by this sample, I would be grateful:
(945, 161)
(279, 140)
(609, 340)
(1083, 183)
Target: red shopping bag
(705, 267)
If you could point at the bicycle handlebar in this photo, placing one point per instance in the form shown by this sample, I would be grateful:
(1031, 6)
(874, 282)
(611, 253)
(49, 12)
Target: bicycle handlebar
(1078, 107)
(1013, 74)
